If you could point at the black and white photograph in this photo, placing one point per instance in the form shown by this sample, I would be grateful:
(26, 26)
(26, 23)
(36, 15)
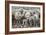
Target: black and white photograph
(25, 17)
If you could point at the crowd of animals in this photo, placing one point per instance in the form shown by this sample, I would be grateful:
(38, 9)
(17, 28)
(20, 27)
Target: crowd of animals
(26, 18)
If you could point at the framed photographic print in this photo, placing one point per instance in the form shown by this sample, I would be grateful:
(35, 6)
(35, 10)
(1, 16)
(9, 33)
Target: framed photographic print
(24, 17)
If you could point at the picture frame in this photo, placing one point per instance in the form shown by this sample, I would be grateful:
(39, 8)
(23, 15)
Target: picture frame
(20, 5)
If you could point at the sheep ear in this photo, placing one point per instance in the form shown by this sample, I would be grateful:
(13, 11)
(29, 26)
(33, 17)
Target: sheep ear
(30, 13)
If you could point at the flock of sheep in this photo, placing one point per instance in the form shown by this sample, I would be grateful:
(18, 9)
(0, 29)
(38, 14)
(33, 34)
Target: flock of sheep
(26, 18)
